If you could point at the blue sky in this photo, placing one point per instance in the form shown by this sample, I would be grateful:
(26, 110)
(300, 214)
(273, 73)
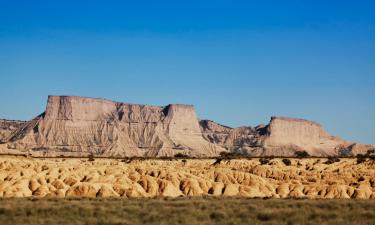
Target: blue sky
(238, 62)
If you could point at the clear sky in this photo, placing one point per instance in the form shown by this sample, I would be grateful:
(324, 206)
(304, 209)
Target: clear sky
(238, 62)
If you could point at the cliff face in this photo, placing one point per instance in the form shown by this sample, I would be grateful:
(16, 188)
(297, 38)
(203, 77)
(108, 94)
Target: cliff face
(301, 134)
(82, 126)
(76, 126)
(240, 140)
(281, 137)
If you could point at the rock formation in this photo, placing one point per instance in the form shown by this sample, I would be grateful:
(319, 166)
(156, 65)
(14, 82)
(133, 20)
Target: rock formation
(281, 137)
(76, 126)
(303, 178)
(83, 126)
(7, 127)
(286, 133)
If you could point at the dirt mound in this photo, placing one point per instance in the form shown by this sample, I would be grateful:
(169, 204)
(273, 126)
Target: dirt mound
(303, 178)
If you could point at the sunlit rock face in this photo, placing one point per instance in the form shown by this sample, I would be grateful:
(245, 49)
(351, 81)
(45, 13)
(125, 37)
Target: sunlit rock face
(77, 126)
(81, 126)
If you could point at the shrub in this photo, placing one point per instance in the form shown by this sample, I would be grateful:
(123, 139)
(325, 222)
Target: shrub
(180, 155)
(332, 159)
(230, 155)
(91, 158)
(302, 154)
(361, 158)
(287, 162)
(217, 162)
(264, 161)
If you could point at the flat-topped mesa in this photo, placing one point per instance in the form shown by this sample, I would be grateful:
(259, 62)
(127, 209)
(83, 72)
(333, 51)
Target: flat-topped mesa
(81, 126)
(77, 108)
(77, 126)
(302, 134)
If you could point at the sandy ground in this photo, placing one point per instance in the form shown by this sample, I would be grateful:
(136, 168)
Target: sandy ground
(304, 178)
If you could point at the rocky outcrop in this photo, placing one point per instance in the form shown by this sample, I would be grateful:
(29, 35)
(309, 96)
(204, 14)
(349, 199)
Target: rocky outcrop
(76, 126)
(240, 140)
(83, 126)
(286, 133)
(281, 137)
(7, 127)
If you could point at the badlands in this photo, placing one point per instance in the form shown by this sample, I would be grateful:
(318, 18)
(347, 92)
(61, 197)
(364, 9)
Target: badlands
(86, 147)
(77, 126)
(312, 178)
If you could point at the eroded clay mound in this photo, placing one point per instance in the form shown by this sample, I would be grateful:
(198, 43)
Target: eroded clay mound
(304, 178)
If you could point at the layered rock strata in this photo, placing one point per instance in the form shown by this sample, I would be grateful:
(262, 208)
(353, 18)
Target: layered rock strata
(76, 126)
(83, 126)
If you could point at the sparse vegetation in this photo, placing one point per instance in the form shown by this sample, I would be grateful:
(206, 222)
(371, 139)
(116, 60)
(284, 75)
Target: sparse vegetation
(185, 211)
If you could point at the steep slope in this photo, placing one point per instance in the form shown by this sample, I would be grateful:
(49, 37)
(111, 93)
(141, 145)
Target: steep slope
(281, 137)
(76, 126)
(240, 140)
(287, 133)
(82, 126)
(7, 127)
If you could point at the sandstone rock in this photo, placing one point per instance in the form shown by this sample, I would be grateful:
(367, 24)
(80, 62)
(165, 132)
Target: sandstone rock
(76, 126)
(7, 127)
(83, 126)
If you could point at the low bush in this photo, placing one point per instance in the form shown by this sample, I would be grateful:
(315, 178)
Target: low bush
(361, 158)
(230, 155)
(287, 162)
(332, 159)
(302, 154)
(264, 161)
(91, 158)
(180, 155)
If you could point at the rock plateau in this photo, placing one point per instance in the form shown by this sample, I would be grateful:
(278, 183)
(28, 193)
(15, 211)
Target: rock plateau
(76, 126)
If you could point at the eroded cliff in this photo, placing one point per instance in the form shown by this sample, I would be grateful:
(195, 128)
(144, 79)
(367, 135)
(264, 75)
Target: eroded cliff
(83, 126)
(76, 126)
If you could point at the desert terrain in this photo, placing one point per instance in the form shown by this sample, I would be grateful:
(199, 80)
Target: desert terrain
(312, 178)
(95, 161)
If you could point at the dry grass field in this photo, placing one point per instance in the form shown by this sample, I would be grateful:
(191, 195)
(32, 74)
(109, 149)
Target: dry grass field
(184, 210)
